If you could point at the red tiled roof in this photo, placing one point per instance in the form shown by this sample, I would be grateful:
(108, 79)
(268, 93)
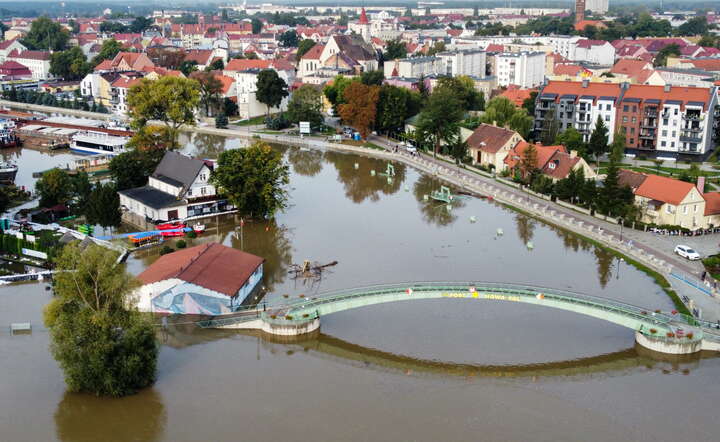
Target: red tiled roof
(6, 43)
(492, 47)
(489, 138)
(544, 153)
(31, 55)
(629, 67)
(582, 24)
(576, 88)
(587, 44)
(245, 64)
(708, 64)
(125, 82)
(568, 69)
(212, 266)
(517, 95)
(664, 189)
(560, 165)
(683, 94)
(104, 65)
(712, 203)
(313, 54)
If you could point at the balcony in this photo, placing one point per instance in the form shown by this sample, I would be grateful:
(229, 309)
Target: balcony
(648, 123)
(651, 113)
(690, 137)
(689, 128)
(691, 117)
(647, 135)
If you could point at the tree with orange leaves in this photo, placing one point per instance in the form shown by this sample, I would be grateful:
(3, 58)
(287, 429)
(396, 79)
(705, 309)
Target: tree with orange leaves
(360, 106)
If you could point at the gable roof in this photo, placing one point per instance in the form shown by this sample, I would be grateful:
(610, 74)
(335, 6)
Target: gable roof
(630, 178)
(664, 189)
(560, 164)
(712, 203)
(354, 47)
(244, 64)
(212, 266)
(178, 167)
(629, 67)
(314, 53)
(489, 138)
(544, 153)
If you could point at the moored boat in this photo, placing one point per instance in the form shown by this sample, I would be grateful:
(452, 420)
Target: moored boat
(91, 142)
(198, 228)
(168, 226)
(8, 171)
(8, 137)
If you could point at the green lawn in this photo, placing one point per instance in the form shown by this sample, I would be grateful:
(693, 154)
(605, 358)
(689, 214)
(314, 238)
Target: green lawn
(250, 122)
(663, 171)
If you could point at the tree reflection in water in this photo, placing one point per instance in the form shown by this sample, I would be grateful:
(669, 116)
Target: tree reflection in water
(603, 258)
(525, 227)
(306, 162)
(434, 212)
(85, 417)
(360, 184)
(208, 146)
(267, 240)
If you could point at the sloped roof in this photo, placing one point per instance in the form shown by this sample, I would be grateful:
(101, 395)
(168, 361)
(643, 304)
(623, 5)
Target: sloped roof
(244, 64)
(664, 189)
(178, 167)
(560, 164)
(313, 53)
(517, 95)
(200, 56)
(712, 203)
(354, 47)
(587, 44)
(568, 69)
(630, 178)
(31, 55)
(489, 138)
(212, 266)
(629, 67)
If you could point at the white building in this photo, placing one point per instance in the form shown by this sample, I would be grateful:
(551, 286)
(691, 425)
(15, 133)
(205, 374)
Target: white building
(37, 61)
(179, 188)
(561, 44)
(599, 52)
(523, 69)
(246, 87)
(597, 6)
(471, 62)
(414, 67)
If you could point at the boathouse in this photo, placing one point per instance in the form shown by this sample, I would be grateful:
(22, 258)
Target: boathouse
(209, 279)
(178, 189)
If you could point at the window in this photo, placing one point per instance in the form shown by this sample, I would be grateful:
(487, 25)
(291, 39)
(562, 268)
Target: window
(674, 133)
(662, 143)
(676, 111)
(625, 108)
(624, 129)
(665, 121)
(634, 119)
(608, 107)
(634, 109)
(664, 133)
(667, 208)
(684, 210)
(625, 120)
(189, 192)
(203, 191)
(607, 117)
(632, 131)
(672, 144)
(695, 208)
(632, 140)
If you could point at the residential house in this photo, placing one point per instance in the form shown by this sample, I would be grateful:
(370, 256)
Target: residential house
(667, 201)
(554, 162)
(125, 61)
(12, 71)
(8, 46)
(352, 47)
(208, 279)
(598, 52)
(489, 145)
(179, 188)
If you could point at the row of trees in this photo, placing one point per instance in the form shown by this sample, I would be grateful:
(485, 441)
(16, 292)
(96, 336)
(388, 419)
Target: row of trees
(48, 99)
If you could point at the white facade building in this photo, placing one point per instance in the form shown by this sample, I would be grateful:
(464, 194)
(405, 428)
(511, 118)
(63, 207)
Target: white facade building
(246, 86)
(597, 6)
(414, 67)
(523, 69)
(469, 62)
(599, 52)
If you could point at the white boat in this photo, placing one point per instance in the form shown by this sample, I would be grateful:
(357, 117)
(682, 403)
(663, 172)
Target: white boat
(198, 228)
(91, 142)
(8, 171)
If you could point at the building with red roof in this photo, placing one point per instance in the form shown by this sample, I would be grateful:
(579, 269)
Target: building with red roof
(659, 120)
(208, 279)
(37, 61)
(12, 70)
(489, 145)
(555, 162)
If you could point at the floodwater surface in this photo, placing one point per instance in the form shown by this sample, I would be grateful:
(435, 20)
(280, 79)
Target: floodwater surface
(451, 369)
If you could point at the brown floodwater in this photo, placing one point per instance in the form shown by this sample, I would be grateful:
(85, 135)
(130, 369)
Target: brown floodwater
(427, 370)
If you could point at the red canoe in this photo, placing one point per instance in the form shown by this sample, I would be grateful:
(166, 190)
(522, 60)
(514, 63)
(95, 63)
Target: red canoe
(168, 226)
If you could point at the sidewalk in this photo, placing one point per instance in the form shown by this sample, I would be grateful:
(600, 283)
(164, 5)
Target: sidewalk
(651, 249)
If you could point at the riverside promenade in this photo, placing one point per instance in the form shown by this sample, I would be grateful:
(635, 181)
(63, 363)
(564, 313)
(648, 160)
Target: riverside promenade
(652, 250)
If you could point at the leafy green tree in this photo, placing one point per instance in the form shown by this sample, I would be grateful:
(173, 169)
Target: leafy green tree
(103, 206)
(372, 78)
(171, 100)
(113, 27)
(188, 66)
(46, 34)
(395, 49)
(458, 148)
(102, 347)
(334, 91)
(395, 105)
(109, 49)
(229, 107)
(529, 103)
(271, 89)
(502, 112)
(210, 91)
(439, 118)
(438, 46)
(253, 179)
(70, 64)
(662, 56)
(140, 24)
(572, 139)
(528, 162)
(303, 47)
(257, 26)
(217, 65)
(464, 87)
(54, 187)
(613, 199)
(695, 26)
(598, 143)
(550, 128)
(306, 105)
(289, 39)
(133, 168)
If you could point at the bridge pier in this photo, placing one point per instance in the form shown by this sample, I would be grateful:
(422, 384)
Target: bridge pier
(289, 327)
(674, 346)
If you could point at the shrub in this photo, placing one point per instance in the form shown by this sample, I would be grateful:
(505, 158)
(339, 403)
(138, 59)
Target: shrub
(690, 335)
(302, 296)
(273, 316)
(181, 244)
(191, 234)
(277, 123)
(221, 121)
(288, 317)
(670, 334)
(165, 250)
(305, 315)
(286, 296)
(653, 331)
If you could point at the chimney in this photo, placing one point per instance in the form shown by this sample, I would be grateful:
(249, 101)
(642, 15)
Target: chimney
(701, 184)
(585, 83)
(667, 88)
(573, 153)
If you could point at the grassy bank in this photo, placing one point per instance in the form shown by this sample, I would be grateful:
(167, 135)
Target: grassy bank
(656, 276)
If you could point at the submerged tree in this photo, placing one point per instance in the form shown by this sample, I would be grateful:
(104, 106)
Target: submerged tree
(253, 179)
(103, 346)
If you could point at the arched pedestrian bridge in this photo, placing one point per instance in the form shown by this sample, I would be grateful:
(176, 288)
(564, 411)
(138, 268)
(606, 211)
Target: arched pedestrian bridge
(657, 331)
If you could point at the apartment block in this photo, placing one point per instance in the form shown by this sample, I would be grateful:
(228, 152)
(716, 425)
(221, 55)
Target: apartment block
(524, 69)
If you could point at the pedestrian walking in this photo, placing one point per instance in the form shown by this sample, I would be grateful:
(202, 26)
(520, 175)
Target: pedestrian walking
(702, 277)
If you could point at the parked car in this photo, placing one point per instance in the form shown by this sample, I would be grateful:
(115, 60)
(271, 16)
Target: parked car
(687, 253)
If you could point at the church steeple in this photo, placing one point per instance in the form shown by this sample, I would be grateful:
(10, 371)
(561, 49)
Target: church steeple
(363, 17)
